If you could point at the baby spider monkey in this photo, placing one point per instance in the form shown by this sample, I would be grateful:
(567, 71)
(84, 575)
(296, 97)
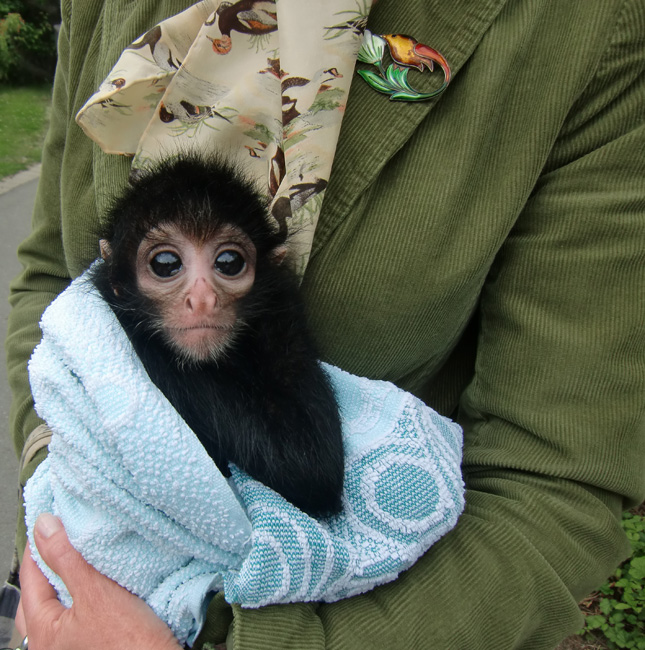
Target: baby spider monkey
(194, 272)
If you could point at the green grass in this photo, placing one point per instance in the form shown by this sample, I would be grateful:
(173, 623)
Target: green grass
(24, 113)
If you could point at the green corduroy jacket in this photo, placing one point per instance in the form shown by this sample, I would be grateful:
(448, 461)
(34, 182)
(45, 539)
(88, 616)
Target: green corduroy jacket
(484, 250)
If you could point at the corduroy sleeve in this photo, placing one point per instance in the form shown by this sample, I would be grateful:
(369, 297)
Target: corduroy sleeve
(45, 271)
(553, 417)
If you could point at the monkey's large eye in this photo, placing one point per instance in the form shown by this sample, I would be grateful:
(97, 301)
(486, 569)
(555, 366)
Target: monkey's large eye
(165, 264)
(230, 263)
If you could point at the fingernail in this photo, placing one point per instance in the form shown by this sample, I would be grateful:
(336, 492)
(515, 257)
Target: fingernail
(47, 525)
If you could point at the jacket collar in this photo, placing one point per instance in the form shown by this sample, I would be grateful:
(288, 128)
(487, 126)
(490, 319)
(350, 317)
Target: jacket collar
(378, 127)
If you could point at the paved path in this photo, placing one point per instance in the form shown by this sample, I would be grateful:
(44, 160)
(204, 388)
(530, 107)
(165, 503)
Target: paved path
(17, 195)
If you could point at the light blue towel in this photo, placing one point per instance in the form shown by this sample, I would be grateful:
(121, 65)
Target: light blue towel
(144, 503)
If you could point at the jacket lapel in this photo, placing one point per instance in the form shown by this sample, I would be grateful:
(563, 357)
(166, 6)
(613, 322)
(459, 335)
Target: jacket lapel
(378, 127)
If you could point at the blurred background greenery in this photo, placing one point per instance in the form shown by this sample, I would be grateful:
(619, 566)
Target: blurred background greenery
(28, 40)
(24, 115)
(28, 30)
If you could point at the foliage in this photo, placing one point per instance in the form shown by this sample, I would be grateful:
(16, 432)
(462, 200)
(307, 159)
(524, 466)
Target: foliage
(617, 612)
(22, 126)
(10, 27)
(27, 40)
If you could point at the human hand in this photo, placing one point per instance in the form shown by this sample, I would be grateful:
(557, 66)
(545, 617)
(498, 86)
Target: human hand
(104, 615)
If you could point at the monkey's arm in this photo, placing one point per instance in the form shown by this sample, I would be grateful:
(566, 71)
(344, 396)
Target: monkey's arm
(302, 449)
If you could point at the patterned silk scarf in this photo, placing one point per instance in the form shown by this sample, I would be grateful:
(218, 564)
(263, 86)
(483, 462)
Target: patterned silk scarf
(262, 82)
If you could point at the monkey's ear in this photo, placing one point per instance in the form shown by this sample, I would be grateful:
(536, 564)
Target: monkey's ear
(278, 254)
(106, 254)
(106, 249)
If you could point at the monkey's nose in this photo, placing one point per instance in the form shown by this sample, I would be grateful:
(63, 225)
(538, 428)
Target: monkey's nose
(201, 298)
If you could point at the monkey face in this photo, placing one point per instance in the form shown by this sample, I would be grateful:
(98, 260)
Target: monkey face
(194, 287)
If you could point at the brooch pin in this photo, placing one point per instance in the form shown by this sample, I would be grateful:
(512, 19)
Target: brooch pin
(406, 52)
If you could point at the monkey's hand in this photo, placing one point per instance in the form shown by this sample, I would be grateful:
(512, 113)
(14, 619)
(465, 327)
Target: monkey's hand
(104, 615)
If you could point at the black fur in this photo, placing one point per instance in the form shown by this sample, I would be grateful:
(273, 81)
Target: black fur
(267, 406)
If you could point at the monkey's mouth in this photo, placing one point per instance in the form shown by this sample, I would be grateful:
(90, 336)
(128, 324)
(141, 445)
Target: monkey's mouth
(191, 328)
(200, 342)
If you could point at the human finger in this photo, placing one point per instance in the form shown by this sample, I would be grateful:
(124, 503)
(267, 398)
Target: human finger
(36, 592)
(61, 557)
